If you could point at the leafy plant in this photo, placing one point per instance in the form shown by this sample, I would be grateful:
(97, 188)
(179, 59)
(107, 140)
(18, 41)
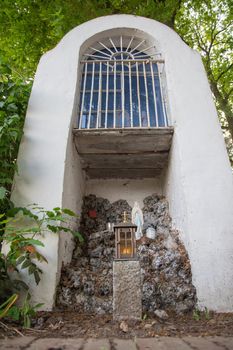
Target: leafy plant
(23, 231)
(8, 284)
(206, 313)
(196, 314)
(24, 227)
(14, 93)
(25, 313)
(5, 307)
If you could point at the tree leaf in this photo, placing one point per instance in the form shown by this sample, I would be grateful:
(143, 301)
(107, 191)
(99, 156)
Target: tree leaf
(26, 264)
(37, 277)
(3, 192)
(68, 212)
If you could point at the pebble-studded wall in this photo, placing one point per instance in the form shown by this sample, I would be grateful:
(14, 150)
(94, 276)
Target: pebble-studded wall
(86, 283)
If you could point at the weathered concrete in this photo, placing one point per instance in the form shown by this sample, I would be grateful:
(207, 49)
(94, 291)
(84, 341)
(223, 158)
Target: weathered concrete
(127, 293)
(158, 343)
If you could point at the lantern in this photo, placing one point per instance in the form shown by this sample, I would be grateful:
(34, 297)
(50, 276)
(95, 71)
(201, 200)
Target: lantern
(125, 239)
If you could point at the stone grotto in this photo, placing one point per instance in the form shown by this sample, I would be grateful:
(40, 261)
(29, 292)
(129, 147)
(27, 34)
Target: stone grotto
(86, 284)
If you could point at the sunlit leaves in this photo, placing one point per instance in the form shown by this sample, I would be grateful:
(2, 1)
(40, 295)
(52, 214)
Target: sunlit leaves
(207, 26)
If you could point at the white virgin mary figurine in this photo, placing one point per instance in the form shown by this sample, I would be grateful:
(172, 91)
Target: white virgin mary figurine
(137, 219)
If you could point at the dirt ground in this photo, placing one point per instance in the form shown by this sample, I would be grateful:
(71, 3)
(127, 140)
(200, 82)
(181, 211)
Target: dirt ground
(72, 324)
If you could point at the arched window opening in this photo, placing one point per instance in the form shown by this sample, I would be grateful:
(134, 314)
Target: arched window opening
(121, 87)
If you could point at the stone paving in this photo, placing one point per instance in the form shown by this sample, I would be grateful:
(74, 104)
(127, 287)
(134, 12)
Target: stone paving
(158, 343)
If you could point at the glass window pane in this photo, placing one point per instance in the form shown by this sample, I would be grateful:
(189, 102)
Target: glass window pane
(127, 102)
(151, 102)
(111, 81)
(104, 81)
(86, 105)
(148, 83)
(94, 106)
(135, 101)
(96, 81)
(118, 119)
(93, 119)
(110, 120)
(143, 100)
(122, 235)
(159, 100)
(84, 121)
(118, 81)
(110, 101)
(102, 120)
(118, 110)
(103, 101)
(129, 235)
(88, 81)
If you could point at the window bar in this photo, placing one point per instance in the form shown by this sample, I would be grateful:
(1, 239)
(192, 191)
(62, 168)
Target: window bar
(137, 46)
(83, 96)
(146, 90)
(92, 86)
(142, 51)
(162, 98)
(130, 42)
(130, 97)
(103, 53)
(106, 109)
(123, 95)
(113, 44)
(107, 48)
(138, 91)
(154, 93)
(95, 56)
(98, 118)
(114, 97)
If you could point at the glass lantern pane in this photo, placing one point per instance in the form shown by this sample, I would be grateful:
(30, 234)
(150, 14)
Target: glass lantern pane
(129, 236)
(122, 235)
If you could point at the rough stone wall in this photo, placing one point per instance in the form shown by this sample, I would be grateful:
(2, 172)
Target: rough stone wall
(87, 283)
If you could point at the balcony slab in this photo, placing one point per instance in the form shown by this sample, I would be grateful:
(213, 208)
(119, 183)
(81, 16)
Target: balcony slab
(123, 153)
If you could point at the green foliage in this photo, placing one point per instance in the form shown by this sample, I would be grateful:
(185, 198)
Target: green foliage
(23, 228)
(206, 313)
(196, 314)
(5, 307)
(8, 283)
(24, 313)
(13, 100)
(207, 26)
(30, 28)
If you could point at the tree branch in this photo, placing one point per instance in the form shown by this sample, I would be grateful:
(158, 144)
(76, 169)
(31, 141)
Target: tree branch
(224, 72)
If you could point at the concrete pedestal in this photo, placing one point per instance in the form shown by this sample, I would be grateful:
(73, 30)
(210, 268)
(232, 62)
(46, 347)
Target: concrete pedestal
(127, 293)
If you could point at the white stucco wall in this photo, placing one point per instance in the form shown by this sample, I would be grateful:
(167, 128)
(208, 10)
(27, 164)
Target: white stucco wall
(199, 187)
(198, 181)
(128, 189)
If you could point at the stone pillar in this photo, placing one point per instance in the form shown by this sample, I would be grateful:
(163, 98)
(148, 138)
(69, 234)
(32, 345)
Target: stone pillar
(127, 292)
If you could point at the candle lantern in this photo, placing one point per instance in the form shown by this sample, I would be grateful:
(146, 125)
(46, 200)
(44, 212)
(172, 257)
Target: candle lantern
(125, 239)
